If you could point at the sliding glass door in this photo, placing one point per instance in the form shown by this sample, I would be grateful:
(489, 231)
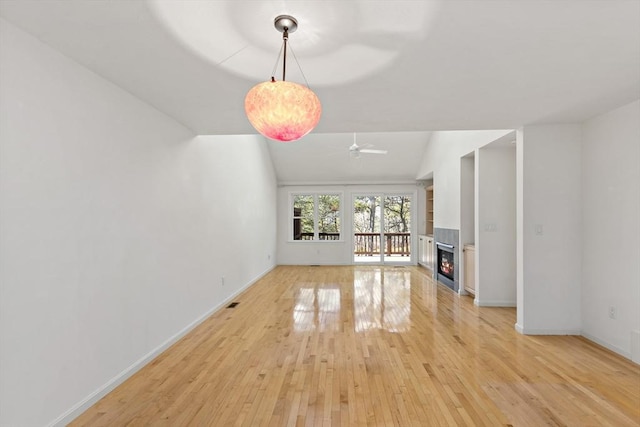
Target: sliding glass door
(382, 228)
(367, 231)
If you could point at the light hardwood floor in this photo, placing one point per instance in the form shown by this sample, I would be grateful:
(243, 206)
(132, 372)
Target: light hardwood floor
(374, 346)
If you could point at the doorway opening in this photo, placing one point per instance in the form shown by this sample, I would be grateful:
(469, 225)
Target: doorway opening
(382, 228)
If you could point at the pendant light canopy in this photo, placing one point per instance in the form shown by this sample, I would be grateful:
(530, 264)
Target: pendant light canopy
(281, 110)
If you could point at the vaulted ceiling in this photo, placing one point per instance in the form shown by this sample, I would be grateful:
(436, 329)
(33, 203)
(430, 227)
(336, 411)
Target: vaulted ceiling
(392, 71)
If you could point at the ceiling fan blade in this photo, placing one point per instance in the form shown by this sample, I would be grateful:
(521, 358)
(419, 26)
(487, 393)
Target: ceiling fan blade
(370, 151)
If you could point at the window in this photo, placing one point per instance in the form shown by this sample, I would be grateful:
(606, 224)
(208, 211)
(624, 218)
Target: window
(303, 213)
(316, 216)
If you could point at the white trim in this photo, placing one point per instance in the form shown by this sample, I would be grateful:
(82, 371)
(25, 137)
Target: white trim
(413, 230)
(606, 345)
(635, 346)
(316, 232)
(80, 407)
(324, 264)
(344, 183)
(524, 331)
(590, 337)
(324, 242)
(494, 303)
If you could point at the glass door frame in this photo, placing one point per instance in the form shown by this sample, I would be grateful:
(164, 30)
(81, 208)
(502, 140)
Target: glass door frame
(412, 228)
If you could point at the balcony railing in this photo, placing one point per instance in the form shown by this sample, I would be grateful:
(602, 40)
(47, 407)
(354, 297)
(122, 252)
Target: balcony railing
(368, 244)
(321, 236)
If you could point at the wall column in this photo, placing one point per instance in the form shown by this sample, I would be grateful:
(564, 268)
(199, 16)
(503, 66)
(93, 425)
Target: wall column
(548, 170)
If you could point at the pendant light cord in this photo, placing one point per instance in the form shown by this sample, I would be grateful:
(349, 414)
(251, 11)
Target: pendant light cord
(275, 66)
(283, 50)
(299, 67)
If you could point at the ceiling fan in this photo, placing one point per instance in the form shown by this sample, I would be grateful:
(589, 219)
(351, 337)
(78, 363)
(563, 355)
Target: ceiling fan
(355, 150)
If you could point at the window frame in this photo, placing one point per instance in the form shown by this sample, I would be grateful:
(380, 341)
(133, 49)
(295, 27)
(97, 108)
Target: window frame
(316, 232)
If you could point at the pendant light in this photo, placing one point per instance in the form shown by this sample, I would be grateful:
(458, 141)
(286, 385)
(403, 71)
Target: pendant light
(280, 110)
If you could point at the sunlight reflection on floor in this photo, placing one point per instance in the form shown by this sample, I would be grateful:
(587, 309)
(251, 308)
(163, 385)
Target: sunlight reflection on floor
(381, 300)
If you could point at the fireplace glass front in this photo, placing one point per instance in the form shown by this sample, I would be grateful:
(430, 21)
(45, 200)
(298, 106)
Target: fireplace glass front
(445, 263)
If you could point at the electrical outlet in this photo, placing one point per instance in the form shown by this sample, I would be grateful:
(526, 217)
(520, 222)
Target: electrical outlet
(612, 312)
(222, 280)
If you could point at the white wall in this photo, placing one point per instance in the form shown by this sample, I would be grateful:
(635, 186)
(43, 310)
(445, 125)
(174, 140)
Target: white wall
(337, 253)
(550, 231)
(116, 224)
(496, 226)
(467, 213)
(611, 227)
(442, 158)
(467, 200)
(519, 229)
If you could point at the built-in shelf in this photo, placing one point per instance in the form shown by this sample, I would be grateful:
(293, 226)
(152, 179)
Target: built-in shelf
(429, 191)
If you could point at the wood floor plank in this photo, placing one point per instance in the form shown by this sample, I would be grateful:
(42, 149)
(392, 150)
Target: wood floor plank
(371, 346)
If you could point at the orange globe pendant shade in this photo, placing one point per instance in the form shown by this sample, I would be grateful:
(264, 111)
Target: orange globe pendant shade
(281, 110)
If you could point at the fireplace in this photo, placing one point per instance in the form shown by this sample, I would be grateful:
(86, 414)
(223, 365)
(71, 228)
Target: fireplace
(447, 257)
(445, 264)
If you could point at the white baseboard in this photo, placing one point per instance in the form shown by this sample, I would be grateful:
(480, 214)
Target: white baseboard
(324, 264)
(90, 400)
(635, 346)
(590, 337)
(528, 331)
(608, 346)
(494, 303)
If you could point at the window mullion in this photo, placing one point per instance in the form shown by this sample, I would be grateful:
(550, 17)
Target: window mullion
(316, 233)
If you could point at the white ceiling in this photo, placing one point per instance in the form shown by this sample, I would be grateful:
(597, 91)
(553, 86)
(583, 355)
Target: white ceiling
(379, 67)
(325, 158)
